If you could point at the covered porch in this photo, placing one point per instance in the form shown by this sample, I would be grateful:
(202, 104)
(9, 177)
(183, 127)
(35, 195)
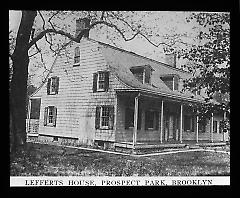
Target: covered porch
(151, 121)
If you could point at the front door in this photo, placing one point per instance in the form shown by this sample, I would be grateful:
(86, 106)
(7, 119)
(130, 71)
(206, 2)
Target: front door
(33, 122)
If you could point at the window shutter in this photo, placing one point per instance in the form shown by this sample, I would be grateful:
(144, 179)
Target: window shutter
(106, 81)
(97, 117)
(48, 86)
(57, 85)
(54, 116)
(95, 76)
(45, 115)
(111, 117)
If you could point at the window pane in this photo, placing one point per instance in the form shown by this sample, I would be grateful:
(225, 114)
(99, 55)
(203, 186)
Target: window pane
(101, 85)
(101, 76)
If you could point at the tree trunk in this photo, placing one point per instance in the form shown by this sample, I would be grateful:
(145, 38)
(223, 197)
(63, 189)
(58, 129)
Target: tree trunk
(18, 86)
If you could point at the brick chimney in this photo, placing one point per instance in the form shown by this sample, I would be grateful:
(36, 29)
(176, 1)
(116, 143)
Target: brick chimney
(170, 59)
(81, 24)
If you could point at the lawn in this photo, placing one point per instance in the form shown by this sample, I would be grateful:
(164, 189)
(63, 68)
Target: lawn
(50, 160)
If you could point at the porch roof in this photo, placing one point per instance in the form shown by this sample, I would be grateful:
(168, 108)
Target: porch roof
(159, 94)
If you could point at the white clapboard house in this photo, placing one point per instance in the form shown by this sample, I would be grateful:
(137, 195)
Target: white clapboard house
(100, 94)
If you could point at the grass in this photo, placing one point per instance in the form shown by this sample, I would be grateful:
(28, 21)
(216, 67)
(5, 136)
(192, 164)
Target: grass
(49, 160)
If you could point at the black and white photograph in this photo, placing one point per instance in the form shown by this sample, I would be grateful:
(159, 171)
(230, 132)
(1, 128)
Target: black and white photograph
(119, 98)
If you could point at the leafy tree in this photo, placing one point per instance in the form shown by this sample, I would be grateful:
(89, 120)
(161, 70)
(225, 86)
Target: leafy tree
(54, 29)
(210, 61)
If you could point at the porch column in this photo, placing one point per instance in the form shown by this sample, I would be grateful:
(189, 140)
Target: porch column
(211, 129)
(28, 115)
(181, 123)
(161, 118)
(197, 129)
(224, 119)
(135, 121)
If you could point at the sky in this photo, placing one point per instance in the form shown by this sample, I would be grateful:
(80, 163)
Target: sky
(167, 22)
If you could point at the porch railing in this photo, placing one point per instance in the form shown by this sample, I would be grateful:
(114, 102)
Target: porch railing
(32, 126)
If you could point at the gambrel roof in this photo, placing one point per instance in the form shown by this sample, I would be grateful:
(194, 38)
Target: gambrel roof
(121, 61)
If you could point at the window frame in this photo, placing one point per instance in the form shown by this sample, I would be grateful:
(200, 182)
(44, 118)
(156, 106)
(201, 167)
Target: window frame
(155, 121)
(76, 56)
(53, 116)
(53, 82)
(109, 117)
(105, 109)
(105, 80)
(102, 81)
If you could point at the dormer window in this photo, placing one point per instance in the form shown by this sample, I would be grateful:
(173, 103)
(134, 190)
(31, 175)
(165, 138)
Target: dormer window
(172, 81)
(142, 73)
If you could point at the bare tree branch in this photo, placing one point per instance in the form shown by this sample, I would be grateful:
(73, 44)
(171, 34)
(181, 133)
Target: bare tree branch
(109, 24)
(49, 20)
(33, 54)
(42, 19)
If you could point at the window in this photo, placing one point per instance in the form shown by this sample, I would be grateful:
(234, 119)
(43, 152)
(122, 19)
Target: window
(129, 118)
(142, 73)
(104, 117)
(138, 73)
(53, 85)
(176, 82)
(168, 80)
(50, 116)
(172, 81)
(77, 56)
(100, 81)
(215, 126)
(151, 120)
(188, 123)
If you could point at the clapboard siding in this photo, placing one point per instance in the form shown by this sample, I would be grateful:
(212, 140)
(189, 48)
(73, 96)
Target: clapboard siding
(75, 102)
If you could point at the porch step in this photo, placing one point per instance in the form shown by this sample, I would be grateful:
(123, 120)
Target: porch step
(149, 146)
(163, 146)
(211, 144)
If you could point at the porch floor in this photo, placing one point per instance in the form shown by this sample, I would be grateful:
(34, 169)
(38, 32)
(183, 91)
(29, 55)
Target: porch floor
(171, 144)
